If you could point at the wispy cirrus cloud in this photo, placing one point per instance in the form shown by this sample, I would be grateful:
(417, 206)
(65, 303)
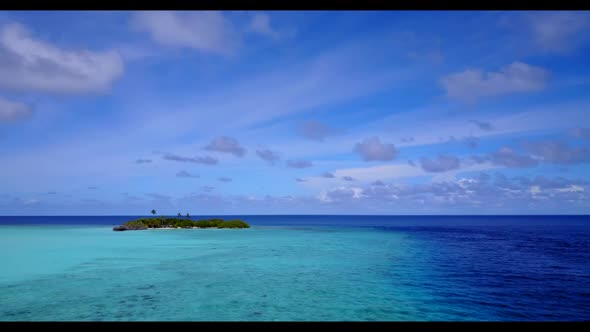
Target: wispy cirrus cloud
(264, 98)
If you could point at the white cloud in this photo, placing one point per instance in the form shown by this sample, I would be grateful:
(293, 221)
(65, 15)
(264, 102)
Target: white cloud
(299, 164)
(357, 192)
(32, 201)
(27, 63)
(389, 173)
(558, 31)
(261, 24)
(472, 84)
(466, 182)
(371, 149)
(507, 157)
(226, 144)
(384, 172)
(477, 193)
(207, 31)
(340, 192)
(572, 189)
(558, 152)
(13, 111)
(363, 175)
(442, 163)
(314, 130)
(185, 174)
(268, 155)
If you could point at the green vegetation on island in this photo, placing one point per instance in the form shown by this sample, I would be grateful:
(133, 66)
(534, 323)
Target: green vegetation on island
(162, 222)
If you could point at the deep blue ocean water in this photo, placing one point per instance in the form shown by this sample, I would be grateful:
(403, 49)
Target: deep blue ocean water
(299, 268)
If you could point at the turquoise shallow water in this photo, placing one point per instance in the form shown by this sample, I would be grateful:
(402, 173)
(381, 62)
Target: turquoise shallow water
(272, 273)
(295, 273)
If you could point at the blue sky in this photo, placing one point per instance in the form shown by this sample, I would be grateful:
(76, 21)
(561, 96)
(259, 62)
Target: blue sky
(282, 112)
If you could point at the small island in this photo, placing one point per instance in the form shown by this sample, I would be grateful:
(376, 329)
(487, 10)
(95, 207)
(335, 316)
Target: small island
(172, 223)
(147, 223)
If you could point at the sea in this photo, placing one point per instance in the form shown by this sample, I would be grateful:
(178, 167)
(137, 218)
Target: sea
(298, 268)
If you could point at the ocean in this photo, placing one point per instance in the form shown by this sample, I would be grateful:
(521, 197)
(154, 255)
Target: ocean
(298, 268)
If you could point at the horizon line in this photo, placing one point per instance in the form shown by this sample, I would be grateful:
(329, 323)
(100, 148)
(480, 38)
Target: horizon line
(306, 215)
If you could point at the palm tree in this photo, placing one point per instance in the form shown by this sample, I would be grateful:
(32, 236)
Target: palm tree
(188, 215)
(179, 215)
(154, 212)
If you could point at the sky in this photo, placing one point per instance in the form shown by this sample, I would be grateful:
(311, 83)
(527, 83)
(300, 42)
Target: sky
(294, 112)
